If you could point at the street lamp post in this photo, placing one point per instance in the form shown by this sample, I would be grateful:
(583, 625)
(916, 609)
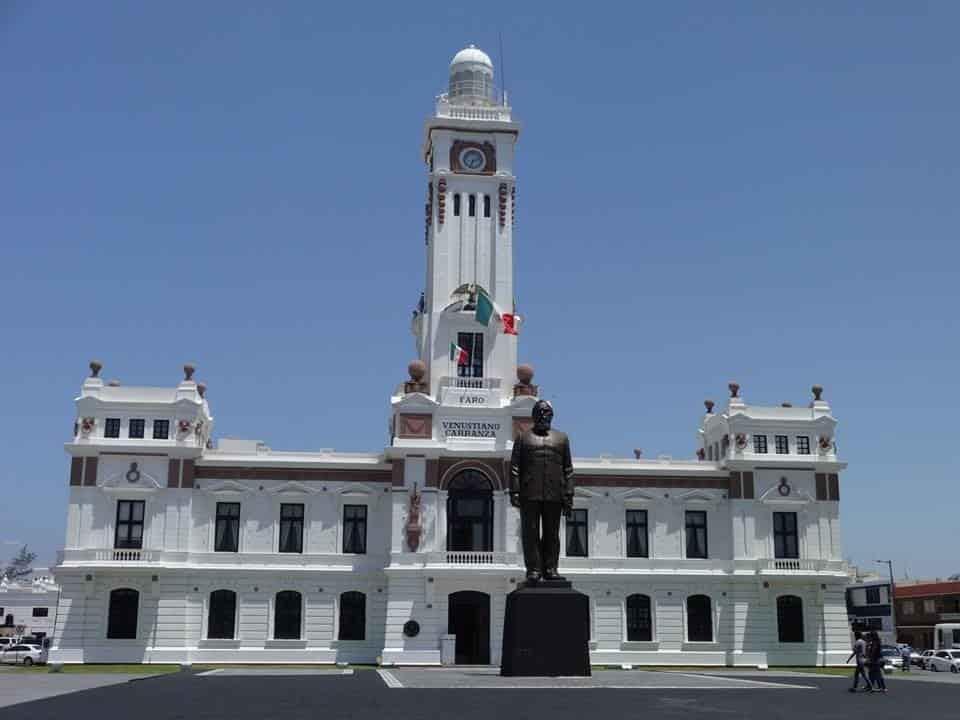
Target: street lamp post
(893, 612)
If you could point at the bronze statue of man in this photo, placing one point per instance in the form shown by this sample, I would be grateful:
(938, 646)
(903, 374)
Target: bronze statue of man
(541, 485)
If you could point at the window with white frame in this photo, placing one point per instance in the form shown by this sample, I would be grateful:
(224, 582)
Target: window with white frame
(699, 619)
(122, 614)
(291, 528)
(696, 533)
(639, 618)
(221, 616)
(287, 614)
(353, 616)
(577, 533)
(637, 539)
(355, 529)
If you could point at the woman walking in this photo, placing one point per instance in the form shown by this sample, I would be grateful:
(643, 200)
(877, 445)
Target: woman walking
(875, 662)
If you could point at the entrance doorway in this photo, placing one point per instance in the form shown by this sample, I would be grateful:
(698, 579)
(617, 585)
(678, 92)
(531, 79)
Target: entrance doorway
(468, 617)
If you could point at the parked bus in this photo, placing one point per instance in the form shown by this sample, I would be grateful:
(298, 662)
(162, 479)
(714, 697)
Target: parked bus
(946, 636)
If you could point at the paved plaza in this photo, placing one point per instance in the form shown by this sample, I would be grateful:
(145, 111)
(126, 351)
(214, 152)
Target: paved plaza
(464, 693)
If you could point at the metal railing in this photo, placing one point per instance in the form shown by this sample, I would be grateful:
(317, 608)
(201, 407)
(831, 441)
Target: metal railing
(473, 383)
(474, 558)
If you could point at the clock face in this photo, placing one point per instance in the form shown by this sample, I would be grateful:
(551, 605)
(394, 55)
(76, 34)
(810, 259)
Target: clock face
(473, 159)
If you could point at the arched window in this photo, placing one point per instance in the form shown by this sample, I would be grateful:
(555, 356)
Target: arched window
(699, 619)
(639, 619)
(8, 621)
(122, 614)
(286, 615)
(790, 619)
(470, 512)
(221, 620)
(353, 616)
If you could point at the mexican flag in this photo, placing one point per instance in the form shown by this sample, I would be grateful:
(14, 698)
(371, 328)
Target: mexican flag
(485, 309)
(459, 355)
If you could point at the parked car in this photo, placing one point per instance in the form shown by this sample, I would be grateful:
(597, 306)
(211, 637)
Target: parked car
(5, 642)
(23, 655)
(891, 659)
(924, 656)
(943, 660)
(916, 657)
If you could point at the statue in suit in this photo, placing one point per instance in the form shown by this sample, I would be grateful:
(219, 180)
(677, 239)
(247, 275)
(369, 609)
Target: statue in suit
(541, 485)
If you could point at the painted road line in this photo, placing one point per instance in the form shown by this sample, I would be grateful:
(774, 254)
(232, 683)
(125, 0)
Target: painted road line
(389, 679)
(760, 683)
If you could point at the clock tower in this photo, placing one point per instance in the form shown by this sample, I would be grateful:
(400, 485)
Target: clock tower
(468, 148)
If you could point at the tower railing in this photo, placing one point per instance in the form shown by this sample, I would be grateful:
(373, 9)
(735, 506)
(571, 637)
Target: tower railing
(473, 383)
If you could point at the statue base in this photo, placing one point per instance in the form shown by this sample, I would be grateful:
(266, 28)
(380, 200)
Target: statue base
(546, 631)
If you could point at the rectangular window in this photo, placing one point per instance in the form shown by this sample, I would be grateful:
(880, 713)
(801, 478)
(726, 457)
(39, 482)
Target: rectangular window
(41, 612)
(577, 534)
(785, 544)
(929, 606)
(760, 444)
(873, 596)
(637, 534)
(781, 445)
(291, 528)
(472, 200)
(456, 204)
(355, 529)
(486, 206)
(161, 429)
(135, 429)
(112, 428)
(226, 535)
(906, 607)
(803, 445)
(473, 344)
(129, 530)
(696, 526)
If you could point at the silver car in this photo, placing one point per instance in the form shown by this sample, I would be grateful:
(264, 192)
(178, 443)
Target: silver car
(23, 655)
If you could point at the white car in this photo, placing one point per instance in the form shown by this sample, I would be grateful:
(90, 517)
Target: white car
(924, 656)
(943, 660)
(23, 655)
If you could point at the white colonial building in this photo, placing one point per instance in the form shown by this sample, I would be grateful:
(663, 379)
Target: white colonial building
(182, 549)
(28, 605)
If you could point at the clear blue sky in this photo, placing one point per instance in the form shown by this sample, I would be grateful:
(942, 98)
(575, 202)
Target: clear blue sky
(707, 192)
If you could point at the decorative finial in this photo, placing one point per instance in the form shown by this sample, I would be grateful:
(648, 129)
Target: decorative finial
(734, 389)
(525, 374)
(637, 452)
(188, 370)
(817, 392)
(417, 370)
(708, 404)
(202, 389)
(95, 367)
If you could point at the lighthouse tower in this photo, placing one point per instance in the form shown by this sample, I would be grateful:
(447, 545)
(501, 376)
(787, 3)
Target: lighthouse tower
(468, 148)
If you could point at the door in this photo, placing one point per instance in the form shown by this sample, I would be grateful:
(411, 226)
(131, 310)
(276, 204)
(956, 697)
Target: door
(468, 617)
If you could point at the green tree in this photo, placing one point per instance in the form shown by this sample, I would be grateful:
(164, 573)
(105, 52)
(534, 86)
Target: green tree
(21, 565)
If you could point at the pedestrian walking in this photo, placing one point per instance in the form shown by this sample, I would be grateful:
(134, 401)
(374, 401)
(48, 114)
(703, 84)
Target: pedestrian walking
(860, 653)
(875, 662)
(905, 656)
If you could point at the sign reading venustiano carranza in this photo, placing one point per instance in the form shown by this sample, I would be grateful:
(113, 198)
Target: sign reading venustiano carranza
(476, 429)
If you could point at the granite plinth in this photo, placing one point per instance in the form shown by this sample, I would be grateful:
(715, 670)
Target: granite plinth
(546, 631)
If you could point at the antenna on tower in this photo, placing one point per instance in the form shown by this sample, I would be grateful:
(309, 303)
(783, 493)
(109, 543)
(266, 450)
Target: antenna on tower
(503, 73)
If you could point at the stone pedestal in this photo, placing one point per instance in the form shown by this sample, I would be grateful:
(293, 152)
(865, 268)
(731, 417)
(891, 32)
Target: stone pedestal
(546, 632)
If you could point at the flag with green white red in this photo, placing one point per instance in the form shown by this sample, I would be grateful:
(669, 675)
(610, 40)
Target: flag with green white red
(459, 355)
(485, 309)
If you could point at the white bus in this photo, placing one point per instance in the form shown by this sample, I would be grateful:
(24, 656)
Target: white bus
(946, 636)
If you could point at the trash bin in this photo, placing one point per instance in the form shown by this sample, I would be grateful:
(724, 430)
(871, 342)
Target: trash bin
(448, 649)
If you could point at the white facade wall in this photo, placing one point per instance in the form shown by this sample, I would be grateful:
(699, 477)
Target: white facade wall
(182, 477)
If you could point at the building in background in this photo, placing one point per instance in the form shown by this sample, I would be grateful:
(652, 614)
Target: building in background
(868, 606)
(923, 604)
(182, 549)
(28, 606)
